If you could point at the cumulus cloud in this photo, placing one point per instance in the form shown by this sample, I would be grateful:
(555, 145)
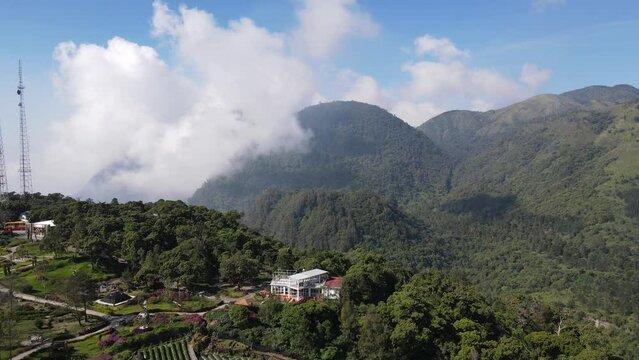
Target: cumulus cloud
(533, 75)
(323, 24)
(541, 5)
(143, 129)
(450, 83)
(445, 83)
(358, 87)
(441, 48)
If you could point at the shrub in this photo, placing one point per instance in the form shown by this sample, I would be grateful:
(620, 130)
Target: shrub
(155, 336)
(160, 319)
(25, 288)
(103, 357)
(193, 319)
(112, 339)
(140, 330)
(59, 312)
(39, 323)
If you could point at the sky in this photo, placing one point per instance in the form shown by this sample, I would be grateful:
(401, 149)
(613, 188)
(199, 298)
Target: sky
(148, 99)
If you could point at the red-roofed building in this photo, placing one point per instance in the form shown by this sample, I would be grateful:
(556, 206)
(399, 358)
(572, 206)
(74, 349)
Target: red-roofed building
(332, 287)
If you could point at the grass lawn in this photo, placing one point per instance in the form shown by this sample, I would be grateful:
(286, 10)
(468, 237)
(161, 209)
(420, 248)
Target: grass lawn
(33, 248)
(169, 331)
(231, 292)
(192, 305)
(59, 269)
(63, 325)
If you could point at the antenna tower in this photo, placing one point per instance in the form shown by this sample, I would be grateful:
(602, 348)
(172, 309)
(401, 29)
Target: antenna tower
(25, 162)
(3, 172)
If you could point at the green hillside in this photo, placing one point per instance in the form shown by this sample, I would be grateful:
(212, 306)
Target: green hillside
(342, 219)
(461, 132)
(353, 146)
(540, 197)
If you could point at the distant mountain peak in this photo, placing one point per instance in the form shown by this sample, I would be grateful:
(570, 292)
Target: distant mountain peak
(599, 93)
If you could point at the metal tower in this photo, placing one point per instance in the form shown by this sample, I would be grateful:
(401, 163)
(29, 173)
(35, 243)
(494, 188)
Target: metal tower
(3, 172)
(25, 162)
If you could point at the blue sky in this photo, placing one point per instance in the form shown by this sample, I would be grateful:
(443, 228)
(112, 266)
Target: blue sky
(373, 57)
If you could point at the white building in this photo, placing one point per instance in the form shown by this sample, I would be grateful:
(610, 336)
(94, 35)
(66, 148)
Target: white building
(301, 286)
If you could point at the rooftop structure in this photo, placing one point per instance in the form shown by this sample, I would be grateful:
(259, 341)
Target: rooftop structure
(115, 299)
(301, 286)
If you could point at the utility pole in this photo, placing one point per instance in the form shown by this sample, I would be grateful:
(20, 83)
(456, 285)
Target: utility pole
(25, 162)
(4, 188)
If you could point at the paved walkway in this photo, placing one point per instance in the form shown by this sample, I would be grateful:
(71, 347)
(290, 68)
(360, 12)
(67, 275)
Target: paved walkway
(28, 353)
(54, 303)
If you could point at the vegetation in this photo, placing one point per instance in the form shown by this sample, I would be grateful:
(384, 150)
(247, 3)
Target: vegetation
(32, 320)
(354, 145)
(174, 350)
(396, 315)
(539, 197)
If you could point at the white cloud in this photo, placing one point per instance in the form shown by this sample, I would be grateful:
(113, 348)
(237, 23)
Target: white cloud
(449, 83)
(441, 48)
(541, 5)
(415, 113)
(445, 86)
(323, 24)
(141, 127)
(533, 75)
(364, 88)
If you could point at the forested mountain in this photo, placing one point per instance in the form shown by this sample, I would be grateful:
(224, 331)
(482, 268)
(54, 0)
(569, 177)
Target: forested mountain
(353, 146)
(343, 219)
(540, 196)
(386, 310)
(460, 132)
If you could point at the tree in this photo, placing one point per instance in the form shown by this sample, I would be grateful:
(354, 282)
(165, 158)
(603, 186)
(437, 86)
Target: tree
(370, 280)
(373, 342)
(78, 290)
(309, 327)
(41, 269)
(238, 268)
(53, 242)
(348, 320)
(189, 263)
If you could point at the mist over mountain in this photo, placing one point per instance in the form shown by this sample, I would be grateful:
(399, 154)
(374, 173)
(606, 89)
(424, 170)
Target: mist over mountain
(545, 186)
(353, 146)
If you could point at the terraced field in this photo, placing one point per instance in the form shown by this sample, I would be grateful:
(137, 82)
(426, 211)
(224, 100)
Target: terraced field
(223, 357)
(175, 350)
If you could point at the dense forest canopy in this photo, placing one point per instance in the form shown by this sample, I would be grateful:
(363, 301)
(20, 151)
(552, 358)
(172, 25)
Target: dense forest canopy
(538, 197)
(387, 310)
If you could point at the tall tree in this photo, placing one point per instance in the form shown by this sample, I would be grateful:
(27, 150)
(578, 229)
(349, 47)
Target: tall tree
(238, 268)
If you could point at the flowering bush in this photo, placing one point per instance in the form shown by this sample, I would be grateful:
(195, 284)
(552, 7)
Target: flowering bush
(160, 319)
(142, 329)
(112, 339)
(103, 357)
(177, 295)
(193, 319)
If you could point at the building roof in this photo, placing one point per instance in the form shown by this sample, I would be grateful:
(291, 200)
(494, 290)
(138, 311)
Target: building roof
(308, 274)
(44, 223)
(116, 298)
(335, 282)
(243, 302)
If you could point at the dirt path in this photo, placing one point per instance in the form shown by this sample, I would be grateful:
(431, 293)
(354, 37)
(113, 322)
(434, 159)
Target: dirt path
(28, 353)
(12, 250)
(53, 303)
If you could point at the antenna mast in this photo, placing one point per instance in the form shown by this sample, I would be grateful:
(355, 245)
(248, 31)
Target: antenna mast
(4, 188)
(25, 162)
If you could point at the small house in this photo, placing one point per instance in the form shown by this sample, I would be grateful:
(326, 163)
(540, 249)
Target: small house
(332, 287)
(115, 299)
